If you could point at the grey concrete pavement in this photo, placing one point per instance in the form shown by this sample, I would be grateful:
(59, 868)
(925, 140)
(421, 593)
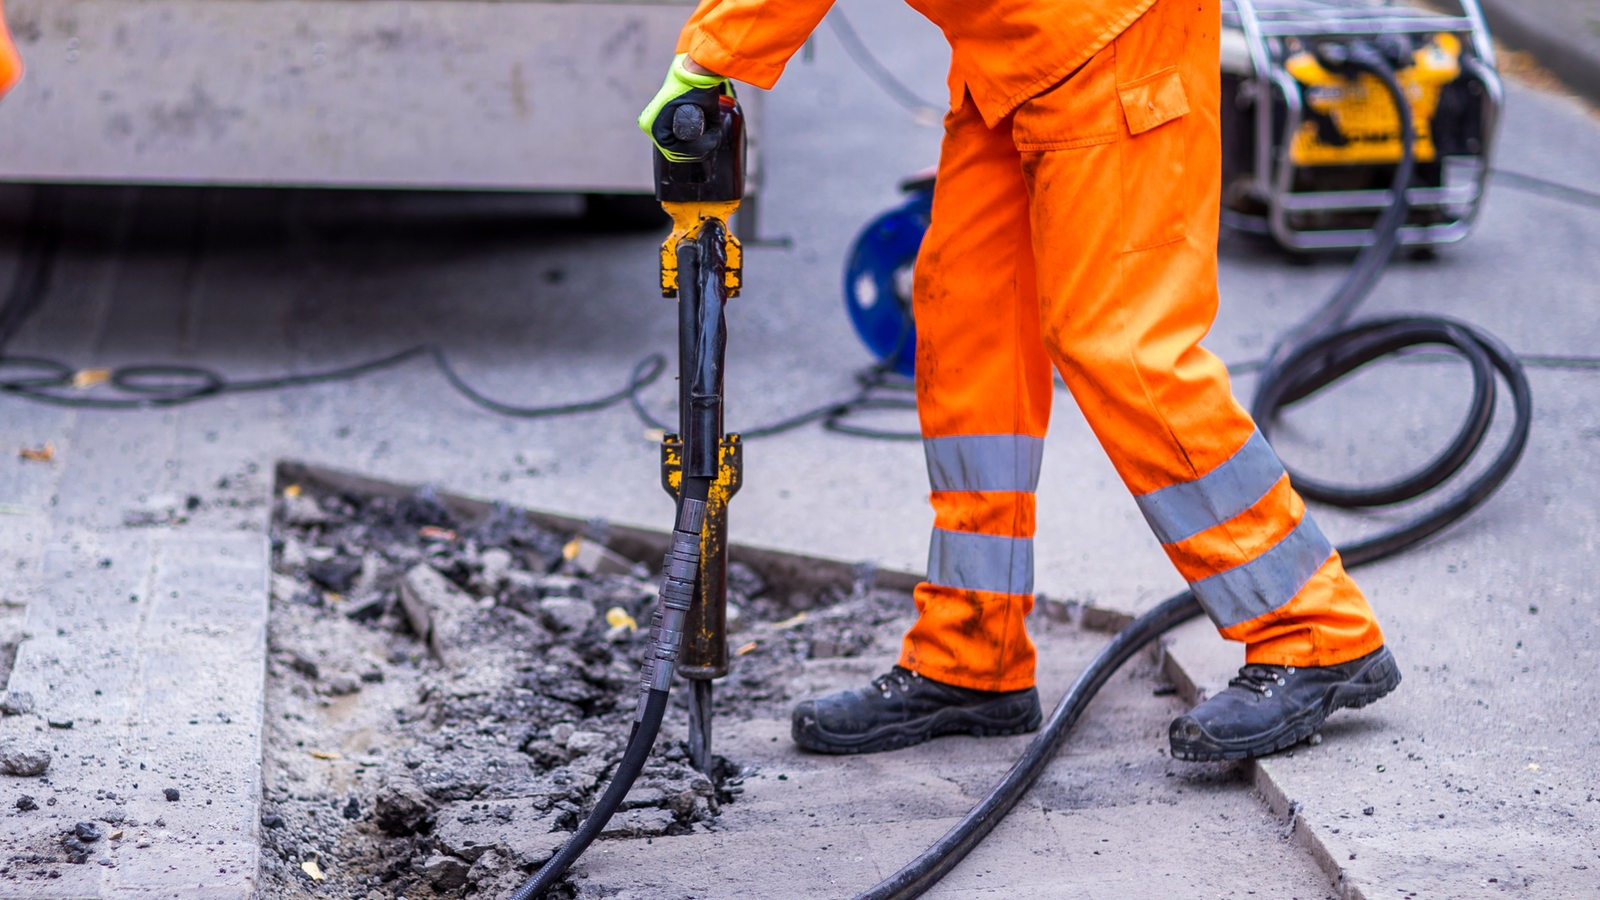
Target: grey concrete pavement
(1103, 821)
(1491, 729)
(1479, 766)
(1563, 35)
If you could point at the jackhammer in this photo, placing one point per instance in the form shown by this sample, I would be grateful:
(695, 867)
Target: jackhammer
(700, 466)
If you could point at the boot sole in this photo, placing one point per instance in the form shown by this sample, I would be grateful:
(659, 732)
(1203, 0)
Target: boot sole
(1372, 683)
(976, 722)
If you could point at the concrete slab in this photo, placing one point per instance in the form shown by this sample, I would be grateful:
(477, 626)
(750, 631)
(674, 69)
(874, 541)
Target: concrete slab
(132, 662)
(290, 92)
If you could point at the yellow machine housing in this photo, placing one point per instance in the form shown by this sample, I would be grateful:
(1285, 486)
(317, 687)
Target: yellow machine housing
(1365, 124)
(1309, 155)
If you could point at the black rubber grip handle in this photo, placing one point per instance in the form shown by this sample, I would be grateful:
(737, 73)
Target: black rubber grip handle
(688, 122)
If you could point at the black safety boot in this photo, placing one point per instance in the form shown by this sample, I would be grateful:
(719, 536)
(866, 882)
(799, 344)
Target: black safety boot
(903, 708)
(1269, 708)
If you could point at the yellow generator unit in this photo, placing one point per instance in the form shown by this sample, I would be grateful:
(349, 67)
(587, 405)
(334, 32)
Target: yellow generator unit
(1309, 152)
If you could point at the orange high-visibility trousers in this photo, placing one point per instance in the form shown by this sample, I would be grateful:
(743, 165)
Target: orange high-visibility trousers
(10, 61)
(1079, 234)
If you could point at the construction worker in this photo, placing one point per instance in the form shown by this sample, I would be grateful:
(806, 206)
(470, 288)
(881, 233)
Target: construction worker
(1074, 229)
(10, 61)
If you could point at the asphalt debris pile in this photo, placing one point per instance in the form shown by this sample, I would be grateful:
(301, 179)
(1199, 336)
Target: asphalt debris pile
(446, 697)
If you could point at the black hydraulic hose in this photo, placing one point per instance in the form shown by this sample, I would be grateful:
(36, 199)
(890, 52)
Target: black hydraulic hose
(1306, 360)
(1373, 258)
(633, 760)
(935, 862)
(1319, 352)
(1381, 336)
(666, 636)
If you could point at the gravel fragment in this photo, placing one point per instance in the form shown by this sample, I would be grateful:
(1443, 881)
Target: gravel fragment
(472, 832)
(557, 585)
(584, 743)
(337, 574)
(496, 564)
(567, 614)
(78, 852)
(304, 664)
(446, 873)
(16, 703)
(24, 760)
(640, 823)
(293, 555)
(401, 808)
(644, 796)
(303, 509)
(342, 685)
(744, 580)
(436, 610)
(529, 850)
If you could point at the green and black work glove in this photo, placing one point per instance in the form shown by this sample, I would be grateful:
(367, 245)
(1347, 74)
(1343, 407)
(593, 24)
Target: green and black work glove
(684, 88)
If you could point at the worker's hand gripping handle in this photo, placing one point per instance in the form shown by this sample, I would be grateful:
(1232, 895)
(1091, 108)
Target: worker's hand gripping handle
(695, 191)
(709, 124)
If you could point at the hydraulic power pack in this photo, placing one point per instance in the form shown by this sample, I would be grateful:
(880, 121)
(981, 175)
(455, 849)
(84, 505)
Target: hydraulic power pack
(1309, 150)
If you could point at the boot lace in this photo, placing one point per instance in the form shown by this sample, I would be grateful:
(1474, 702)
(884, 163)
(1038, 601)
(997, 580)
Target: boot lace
(895, 680)
(1261, 678)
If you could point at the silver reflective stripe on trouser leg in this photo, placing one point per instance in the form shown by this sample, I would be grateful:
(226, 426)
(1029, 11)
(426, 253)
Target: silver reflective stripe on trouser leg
(980, 562)
(984, 462)
(975, 463)
(1267, 582)
(1182, 511)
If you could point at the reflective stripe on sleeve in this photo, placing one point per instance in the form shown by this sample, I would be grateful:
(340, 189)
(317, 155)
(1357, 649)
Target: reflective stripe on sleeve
(1267, 582)
(980, 562)
(984, 462)
(1182, 511)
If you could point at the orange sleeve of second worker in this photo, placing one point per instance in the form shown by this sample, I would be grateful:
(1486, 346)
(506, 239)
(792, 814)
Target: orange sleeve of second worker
(750, 40)
(10, 61)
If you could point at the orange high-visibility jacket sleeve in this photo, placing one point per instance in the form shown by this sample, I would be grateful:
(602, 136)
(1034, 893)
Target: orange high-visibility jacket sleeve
(10, 62)
(1002, 51)
(750, 40)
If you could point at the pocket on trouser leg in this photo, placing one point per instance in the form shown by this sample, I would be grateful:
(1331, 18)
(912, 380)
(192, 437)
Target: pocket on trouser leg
(1157, 181)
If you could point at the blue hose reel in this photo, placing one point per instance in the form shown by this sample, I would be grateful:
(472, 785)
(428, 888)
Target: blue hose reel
(877, 278)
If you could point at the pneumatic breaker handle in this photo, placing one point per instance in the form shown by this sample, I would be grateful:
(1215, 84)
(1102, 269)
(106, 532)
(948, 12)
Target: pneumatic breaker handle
(710, 124)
